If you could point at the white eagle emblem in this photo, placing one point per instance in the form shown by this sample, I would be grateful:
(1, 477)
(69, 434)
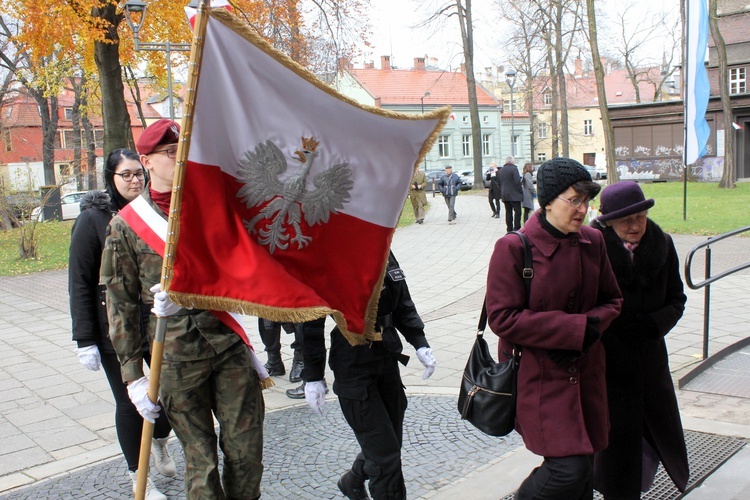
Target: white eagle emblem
(259, 170)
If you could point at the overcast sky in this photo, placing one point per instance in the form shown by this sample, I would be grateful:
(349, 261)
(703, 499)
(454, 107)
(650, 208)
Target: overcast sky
(394, 32)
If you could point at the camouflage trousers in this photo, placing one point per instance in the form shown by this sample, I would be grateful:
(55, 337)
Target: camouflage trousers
(226, 386)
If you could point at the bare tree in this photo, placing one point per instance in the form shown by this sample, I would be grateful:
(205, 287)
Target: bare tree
(609, 139)
(728, 176)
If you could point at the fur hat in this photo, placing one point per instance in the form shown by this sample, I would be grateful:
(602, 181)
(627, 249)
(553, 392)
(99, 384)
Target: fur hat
(555, 176)
(160, 132)
(622, 199)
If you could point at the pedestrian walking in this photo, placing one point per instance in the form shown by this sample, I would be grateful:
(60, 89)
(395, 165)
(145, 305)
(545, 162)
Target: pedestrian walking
(124, 179)
(208, 370)
(644, 416)
(450, 184)
(369, 387)
(561, 405)
(529, 191)
(511, 193)
(418, 196)
(493, 193)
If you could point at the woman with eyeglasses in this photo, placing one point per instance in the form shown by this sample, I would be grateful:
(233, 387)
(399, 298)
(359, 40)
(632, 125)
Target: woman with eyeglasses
(646, 425)
(561, 400)
(124, 179)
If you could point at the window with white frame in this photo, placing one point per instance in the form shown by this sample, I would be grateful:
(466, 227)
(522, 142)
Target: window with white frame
(548, 98)
(541, 131)
(466, 144)
(514, 145)
(737, 81)
(588, 127)
(465, 119)
(443, 146)
(485, 119)
(506, 105)
(486, 141)
(541, 157)
(68, 114)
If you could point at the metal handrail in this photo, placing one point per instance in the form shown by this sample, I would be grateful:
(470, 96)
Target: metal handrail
(708, 278)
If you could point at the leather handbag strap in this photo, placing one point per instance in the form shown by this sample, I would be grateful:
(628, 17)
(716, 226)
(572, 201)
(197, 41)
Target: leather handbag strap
(527, 273)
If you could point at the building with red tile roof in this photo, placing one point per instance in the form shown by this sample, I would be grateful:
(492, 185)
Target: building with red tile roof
(422, 89)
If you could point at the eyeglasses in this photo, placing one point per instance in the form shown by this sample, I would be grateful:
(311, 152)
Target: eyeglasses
(170, 152)
(576, 202)
(128, 175)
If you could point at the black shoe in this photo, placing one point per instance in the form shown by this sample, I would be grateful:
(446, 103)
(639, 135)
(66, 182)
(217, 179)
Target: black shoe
(298, 364)
(352, 486)
(275, 369)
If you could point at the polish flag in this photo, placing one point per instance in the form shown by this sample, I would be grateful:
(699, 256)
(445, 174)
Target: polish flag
(291, 191)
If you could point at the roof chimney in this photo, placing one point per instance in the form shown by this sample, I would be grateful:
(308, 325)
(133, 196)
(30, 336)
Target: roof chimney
(463, 68)
(370, 65)
(385, 62)
(419, 64)
(579, 68)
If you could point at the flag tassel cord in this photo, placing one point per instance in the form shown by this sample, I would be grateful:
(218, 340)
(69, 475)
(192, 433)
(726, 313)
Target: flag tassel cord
(157, 348)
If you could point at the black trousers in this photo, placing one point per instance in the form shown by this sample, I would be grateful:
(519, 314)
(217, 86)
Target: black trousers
(128, 422)
(560, 478)
(512, 215)
(376, 415)
(494, 202)
(270, 335)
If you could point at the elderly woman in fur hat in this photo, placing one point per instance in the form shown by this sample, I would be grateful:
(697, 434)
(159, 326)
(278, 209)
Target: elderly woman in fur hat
(644, 417)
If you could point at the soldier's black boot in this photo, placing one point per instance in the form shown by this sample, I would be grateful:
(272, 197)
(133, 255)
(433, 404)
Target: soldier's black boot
(298, 364)
(352, 486)
(275, 366)
(270, 334)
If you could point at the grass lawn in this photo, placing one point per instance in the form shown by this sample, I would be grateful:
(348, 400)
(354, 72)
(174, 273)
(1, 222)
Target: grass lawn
(710, 211)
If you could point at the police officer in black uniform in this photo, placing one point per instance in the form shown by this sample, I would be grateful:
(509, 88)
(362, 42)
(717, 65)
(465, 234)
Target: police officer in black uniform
(369, 387)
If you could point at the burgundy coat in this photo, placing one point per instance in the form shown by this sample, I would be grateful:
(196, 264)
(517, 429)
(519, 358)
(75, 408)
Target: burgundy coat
(561, 411)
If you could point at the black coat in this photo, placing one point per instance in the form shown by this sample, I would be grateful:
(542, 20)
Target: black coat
(642, 401)
(510, 183)
(355, 367)
(88, 308)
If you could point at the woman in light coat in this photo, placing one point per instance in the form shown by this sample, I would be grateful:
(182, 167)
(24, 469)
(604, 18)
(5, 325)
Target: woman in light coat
(529, 191)
(561, 410)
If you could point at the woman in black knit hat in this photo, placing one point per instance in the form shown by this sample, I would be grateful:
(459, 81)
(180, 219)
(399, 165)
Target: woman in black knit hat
(561, 409)
(644, 416)
(124, 179)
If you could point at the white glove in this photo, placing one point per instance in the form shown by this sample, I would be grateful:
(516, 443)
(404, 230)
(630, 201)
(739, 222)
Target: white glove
(163, 307)
(428, 361)
(138, 392)
(315, 395)
(89, 357)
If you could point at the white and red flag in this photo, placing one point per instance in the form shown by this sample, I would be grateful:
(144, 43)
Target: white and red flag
(291, 191)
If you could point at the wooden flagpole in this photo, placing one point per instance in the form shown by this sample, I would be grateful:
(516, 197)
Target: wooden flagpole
(157, 348)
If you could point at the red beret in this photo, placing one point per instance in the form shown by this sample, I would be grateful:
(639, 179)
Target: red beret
(163, 131)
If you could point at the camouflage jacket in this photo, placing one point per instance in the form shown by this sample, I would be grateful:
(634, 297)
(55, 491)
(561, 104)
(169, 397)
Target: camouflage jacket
(129, 269)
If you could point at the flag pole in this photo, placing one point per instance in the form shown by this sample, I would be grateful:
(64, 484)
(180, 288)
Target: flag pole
(685, 83)
(157, 347)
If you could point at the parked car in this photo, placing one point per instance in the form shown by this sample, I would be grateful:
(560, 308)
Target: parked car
(70, 205)
(467, 179)
(432, 177)
(595, 174)
(601, 172)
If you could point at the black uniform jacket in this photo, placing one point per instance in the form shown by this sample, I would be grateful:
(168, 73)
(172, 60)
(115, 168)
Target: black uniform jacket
(358, 366)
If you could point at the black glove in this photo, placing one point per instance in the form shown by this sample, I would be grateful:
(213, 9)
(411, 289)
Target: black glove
(592, 333)
(563, 357)
(416, 186)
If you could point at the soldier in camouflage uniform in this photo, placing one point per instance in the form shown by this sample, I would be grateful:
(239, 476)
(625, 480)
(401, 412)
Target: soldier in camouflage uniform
(206, 365)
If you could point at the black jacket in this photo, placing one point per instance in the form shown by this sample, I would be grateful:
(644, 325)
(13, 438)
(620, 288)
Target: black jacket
(359, 365)
(88, 308)
(642, 401)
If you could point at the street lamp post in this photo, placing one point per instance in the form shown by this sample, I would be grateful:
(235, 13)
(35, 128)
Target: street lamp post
(510, 79)
(137, 6)
(426, 94)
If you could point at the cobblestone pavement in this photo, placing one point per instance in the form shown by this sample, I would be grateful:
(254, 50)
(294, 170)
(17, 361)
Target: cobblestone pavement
(56, 418)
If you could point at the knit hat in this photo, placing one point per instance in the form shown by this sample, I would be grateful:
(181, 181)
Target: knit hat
(160, 132)
(622, 199)
(555, 176)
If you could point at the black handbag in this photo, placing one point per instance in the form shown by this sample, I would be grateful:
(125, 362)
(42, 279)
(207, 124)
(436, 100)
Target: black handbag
(487, 397)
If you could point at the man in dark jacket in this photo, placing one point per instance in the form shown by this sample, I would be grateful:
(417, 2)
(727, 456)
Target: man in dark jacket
(494, 190)
(369, 387)
(449, 184)
(511, 193)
